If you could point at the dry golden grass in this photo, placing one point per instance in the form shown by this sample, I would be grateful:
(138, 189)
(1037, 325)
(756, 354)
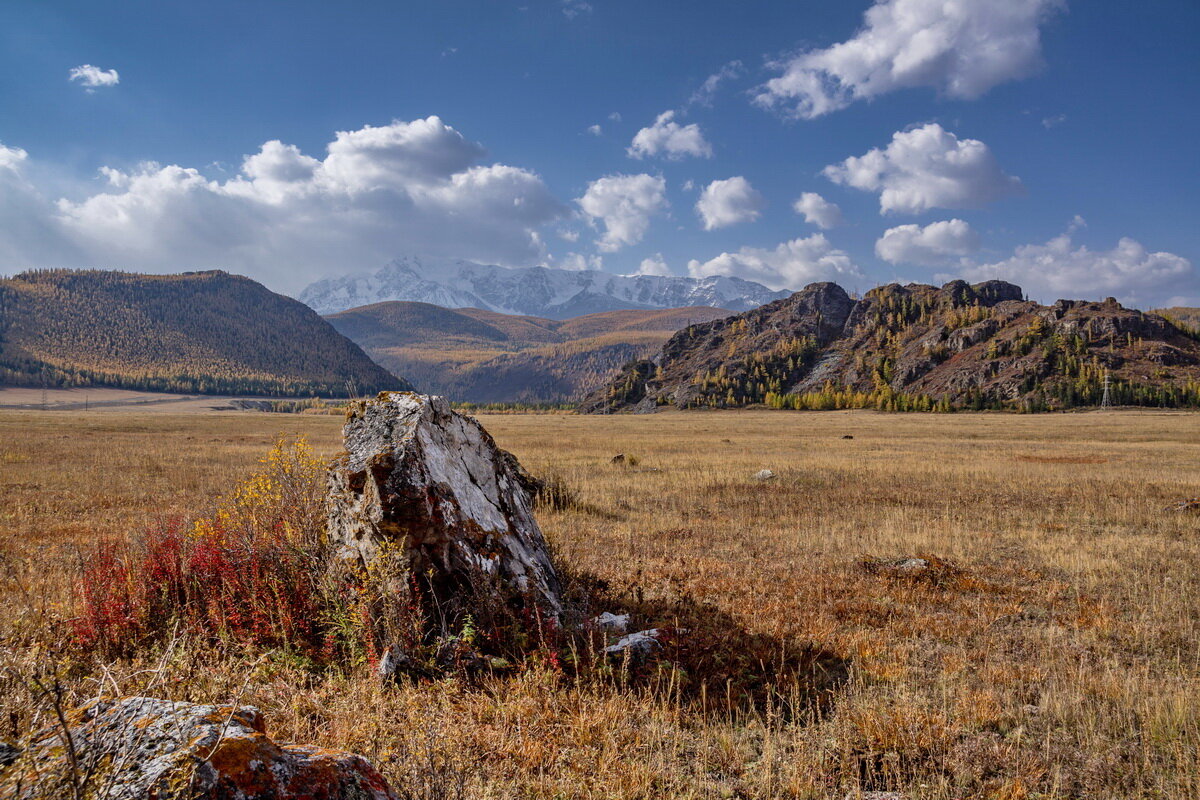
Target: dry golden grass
(1053, 650)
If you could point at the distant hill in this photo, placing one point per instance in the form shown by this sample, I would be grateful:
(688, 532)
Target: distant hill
(1189, 317)
(535, 291)
(199, 332)
(917, 347)
(481, 356)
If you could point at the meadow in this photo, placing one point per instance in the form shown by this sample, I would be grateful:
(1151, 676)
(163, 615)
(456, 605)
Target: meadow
(1051, 649)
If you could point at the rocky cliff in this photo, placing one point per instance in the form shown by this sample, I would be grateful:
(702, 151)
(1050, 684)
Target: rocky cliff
(917, 347)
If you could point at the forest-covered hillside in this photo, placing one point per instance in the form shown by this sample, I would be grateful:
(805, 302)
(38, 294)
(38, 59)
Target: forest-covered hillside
(204, 332)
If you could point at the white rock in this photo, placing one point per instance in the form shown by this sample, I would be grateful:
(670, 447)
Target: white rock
(764, 475)
(636, 644)
(417, 474)
(615, 623)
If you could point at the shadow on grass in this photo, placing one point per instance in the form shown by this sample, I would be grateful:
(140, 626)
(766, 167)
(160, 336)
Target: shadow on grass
(703, 657)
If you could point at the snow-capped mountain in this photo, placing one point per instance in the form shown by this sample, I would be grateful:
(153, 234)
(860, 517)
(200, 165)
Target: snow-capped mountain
(535, 291)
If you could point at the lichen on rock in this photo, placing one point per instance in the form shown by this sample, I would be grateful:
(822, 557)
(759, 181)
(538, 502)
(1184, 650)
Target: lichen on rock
(419, 476)
(143, 747)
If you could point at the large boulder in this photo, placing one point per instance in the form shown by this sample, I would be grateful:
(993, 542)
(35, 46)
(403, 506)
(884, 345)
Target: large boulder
(135, 748)
(417, 475)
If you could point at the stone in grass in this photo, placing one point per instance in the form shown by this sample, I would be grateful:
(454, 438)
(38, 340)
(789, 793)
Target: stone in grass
(764, 475)
(636, 645)
(142, 747)
(419, 476)
(612, 623)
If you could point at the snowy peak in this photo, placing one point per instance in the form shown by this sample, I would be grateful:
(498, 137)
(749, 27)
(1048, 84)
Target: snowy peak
(534, 291)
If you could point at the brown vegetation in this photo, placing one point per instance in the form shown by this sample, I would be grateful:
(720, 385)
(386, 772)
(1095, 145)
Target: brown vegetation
(1047, 647)
(476, 356)
(203, 332)
(918, 348)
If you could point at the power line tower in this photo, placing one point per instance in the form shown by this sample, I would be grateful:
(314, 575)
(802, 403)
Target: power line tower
(1106, 400)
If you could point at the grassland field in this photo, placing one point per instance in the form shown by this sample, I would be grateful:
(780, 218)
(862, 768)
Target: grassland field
(1057, 655)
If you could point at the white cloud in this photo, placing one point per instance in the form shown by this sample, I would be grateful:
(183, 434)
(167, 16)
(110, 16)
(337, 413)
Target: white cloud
(1060, 269)
(94, 77)
(791, 265)
(579, 262)
(655, 265)
(615, 116)
(818, 211)
(573, 8)
(937, 243)
(669, 138)
(1054, 121)
(595, 130)
(728, 202)
(11, 158)
(927, 167)
(961, 48)
(624, 203)
(704, 95)
(287, 217)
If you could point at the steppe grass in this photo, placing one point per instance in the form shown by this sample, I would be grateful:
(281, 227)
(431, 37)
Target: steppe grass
(1051, 649)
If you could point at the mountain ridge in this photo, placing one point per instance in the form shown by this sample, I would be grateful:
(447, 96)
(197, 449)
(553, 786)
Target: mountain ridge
(474, 355)
(195, 332)
(916, 347)
(529, 291)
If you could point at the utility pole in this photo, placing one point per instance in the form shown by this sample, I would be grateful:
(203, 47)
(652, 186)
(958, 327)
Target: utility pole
(1106, 400)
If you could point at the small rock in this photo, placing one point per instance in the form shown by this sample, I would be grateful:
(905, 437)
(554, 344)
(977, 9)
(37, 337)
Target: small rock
(907, 565)
(612, 623)
(648, 405)
(140, 747)
(847, 436)
(618, 459)
(637, 645)
(764, 475)
(397, 664)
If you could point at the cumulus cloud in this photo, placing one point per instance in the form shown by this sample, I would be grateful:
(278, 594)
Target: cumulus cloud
(937, 243)
(1060, 269)
(287, 217)
(655, 265)
(728, 202)
(961, 48)
(578, 262)
(927, 167)
(818, 211)
(791, 265)
(595, 130)
(670, 139)
(93, 77)
(624, 204)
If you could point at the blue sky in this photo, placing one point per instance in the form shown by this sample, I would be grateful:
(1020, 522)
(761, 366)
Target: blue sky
(1046, 142)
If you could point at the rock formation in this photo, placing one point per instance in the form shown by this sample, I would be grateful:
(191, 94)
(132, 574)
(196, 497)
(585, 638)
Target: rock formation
(141, 747)
(915, 347)
(422, 477)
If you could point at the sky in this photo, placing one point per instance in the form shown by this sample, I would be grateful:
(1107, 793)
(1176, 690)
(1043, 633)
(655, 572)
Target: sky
(1051, 143)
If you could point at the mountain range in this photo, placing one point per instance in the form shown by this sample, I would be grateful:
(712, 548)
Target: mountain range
(198, 332)
(534, 291)
(479, 356)
(917, 347)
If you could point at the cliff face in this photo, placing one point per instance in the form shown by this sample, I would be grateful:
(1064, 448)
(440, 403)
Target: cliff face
(917, 346)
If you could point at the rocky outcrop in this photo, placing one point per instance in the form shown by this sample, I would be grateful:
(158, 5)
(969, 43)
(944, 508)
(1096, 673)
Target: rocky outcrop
(418, 476)
(135, 748)
(916, 347)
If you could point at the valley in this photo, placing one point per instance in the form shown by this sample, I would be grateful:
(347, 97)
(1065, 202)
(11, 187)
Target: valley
(1049, 653)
